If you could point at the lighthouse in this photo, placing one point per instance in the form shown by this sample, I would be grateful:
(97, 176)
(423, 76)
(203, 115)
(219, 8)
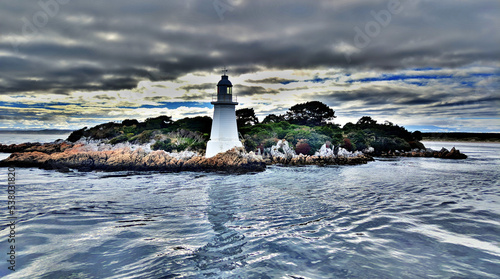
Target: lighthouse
(224, 134)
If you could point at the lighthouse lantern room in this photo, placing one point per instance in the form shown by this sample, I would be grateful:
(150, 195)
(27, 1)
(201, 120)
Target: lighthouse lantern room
(224, 134)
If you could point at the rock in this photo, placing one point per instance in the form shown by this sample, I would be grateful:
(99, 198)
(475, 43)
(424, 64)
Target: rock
(443, 153)
(282, 149)
(369, 150)
(65, 157)
(47, 148)
(83, 159)
(455, 154)
(324, 151)
(343, 152)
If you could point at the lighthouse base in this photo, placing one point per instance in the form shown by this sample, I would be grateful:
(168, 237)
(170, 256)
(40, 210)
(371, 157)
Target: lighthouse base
(217, 146)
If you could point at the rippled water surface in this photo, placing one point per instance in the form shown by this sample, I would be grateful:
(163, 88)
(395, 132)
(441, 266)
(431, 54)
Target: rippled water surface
(392, 218)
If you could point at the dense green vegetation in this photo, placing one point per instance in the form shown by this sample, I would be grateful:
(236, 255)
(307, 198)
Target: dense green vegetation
(187, 133)
(305, 126)
(308, 126)
(382, 137)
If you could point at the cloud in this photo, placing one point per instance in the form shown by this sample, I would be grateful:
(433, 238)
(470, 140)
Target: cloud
(281, 52)
(272, 80)
(104, 97)
(244, 90)
(203, 86)
(80, 46)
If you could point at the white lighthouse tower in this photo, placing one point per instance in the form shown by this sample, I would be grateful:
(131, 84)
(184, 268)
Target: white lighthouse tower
(224, 135)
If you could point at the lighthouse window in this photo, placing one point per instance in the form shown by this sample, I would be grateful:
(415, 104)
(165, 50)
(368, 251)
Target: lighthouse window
(230, 91)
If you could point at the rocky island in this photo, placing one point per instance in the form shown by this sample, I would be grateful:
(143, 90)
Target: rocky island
(305, 135)
(64, 156)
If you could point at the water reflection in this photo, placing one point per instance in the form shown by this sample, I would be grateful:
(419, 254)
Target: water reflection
(225, 251)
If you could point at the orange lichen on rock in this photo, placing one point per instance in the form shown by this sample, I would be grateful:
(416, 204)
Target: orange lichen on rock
(83, 158)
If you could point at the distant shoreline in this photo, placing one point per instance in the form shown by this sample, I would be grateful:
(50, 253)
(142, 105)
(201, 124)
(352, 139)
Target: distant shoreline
(456, 140)
(45, 132)
(462, 137)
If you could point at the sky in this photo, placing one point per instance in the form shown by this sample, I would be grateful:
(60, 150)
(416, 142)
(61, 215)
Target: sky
(425, 65)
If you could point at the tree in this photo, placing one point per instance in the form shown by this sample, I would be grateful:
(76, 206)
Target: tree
(359, 139)
(161, 121)
(348, 127)
(246, 117)
(202, 124)
(366, 121)
(310, 114)
(130, 122)
(273, 118)
(78, 134)
(417, 135)
(249, 143)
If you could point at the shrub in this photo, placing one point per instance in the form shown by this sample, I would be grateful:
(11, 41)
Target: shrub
(163, 145)
(130, 122)
(417, 135)
(272, 118)
(303, 148)
(384, 144)
(199, 146)
(348, 145)
(294, 136)
(249, 143)
(202, 124)
(359, 139)
(142, 138)
(118, 139)
(270, 142)
(76, 135)
(316, 141)
(131, 130)
(416, 144)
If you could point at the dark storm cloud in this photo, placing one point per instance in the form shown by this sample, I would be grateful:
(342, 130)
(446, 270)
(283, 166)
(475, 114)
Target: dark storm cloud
(244, 90)
(157, 98)
(7, 117)
(195, 97)
(484, 101)
(35, 114)
(104, 97)
(415, 101)
(202, 86)
(293, 88)
(378, 96)
(84, 43)
(272, 80)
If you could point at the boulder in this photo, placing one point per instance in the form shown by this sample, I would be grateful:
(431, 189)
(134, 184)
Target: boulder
(443, 153)
(455, 154)
(47, 148)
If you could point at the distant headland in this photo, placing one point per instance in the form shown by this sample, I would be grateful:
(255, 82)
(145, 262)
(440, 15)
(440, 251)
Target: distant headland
(41, 132)
(466, 137)
(304, 135)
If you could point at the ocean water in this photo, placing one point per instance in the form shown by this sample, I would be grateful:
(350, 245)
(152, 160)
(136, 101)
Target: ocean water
(8, 138)
(392, 218)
